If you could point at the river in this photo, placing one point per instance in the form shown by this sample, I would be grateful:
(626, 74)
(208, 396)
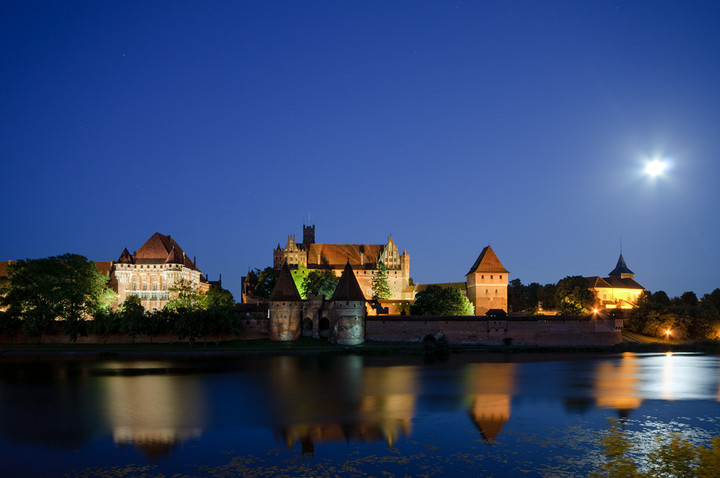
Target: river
(336, 415)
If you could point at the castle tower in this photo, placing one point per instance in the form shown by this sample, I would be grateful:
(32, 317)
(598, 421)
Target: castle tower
(285, 308)
(487, 283)
(308, 235)
(347, 323)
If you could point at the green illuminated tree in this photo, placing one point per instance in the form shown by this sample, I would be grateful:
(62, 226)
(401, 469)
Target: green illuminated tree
(436, 300)
(573, 296)
(265, 282)
(185, 296)
(380, 284)
(320, 282)
(66, 287)
(217, 296)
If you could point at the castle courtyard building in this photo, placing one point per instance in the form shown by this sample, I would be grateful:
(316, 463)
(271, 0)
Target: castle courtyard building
(363, 258)
(153, 270)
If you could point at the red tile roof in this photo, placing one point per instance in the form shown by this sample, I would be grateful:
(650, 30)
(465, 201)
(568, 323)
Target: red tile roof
(174, 257)
(487, 261)
(359, 255)
(157, 249)
(612, 283)
(104, 267)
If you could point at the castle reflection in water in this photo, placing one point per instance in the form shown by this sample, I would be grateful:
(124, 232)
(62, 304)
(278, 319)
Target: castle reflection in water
(157, 406)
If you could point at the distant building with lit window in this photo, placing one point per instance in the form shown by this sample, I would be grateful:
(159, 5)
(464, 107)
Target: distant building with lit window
(617, 291)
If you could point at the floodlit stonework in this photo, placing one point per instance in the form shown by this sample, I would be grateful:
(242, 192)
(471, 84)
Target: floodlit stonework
(363, 258)
(487, 283)
(617, 291)
(153, 270)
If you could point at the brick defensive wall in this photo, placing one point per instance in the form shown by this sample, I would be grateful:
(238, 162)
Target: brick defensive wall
(552, 331)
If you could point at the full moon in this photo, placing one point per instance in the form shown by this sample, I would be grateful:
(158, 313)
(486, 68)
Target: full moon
(655, 167)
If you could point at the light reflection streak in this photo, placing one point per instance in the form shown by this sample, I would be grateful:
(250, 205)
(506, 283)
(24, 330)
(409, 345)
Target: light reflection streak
(491, 387)
(667, 378)
(153, 412)
(345, 401)
(616, 386)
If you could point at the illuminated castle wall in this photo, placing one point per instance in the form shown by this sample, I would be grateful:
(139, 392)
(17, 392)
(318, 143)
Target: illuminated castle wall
(363, 258)
(341, 319)
(153, 270)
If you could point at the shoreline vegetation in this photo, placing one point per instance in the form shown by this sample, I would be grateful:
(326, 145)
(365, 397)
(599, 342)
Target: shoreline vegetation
(306, 345)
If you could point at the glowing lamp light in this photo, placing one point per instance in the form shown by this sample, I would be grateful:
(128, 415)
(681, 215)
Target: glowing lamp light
(668, 332)
(595, 311)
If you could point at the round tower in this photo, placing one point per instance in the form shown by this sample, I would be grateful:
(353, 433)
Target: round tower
(347, 323)
(285, 308)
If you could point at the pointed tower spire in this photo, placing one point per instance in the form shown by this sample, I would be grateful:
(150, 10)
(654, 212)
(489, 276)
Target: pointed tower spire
(621, 269)
(348, 287)
(285, 289)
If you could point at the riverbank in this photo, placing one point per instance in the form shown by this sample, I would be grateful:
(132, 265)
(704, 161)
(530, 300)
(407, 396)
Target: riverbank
(304, 346)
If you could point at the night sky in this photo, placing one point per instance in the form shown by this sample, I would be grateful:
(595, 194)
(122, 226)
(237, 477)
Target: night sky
(448, 125)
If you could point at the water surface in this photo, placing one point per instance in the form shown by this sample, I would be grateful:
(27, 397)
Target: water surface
(478, 415)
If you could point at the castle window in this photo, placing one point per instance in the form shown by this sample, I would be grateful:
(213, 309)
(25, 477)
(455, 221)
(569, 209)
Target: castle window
(491, 277)
(500, 276)
(144, 286)
(482, 276)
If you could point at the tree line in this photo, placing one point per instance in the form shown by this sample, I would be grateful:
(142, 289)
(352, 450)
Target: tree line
(686, 317)
(67, 294)
(570, 296)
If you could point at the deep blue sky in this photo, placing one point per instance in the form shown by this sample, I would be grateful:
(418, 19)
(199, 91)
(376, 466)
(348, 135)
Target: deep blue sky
(450, 125)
